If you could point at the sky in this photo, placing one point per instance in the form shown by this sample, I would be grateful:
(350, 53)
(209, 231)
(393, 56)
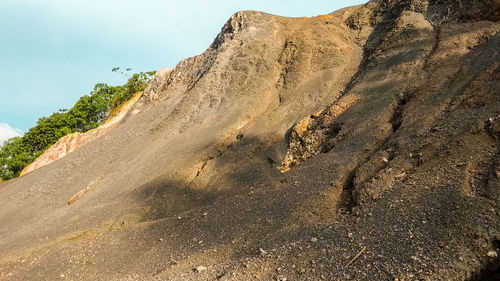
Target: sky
(54, 51)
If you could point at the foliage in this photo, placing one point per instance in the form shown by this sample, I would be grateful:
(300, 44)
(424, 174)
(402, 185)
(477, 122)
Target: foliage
(88, 113)
(136, 83)
(13, 158)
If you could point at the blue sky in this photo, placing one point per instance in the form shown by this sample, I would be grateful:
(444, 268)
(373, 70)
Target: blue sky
(54, 51)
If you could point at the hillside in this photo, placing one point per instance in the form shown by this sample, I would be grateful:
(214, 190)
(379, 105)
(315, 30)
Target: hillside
(359, 145)
(72, 142)
(60, 133)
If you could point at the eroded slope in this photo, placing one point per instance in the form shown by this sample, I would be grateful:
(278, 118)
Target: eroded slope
(385, 118)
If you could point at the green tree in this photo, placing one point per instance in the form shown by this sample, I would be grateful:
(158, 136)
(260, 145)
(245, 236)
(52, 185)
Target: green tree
(13, 158)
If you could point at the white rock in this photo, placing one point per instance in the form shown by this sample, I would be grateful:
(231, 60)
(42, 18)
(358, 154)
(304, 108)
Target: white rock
(200, 268)
(492, 254)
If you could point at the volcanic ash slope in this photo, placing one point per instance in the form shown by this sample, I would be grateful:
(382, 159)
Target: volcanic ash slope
(360, 145)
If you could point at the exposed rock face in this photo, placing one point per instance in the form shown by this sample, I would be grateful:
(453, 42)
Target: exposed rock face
(72, 142)
(384, 118)
(154, 90)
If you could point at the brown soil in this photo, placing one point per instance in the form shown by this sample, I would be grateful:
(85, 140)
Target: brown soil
(360, 145)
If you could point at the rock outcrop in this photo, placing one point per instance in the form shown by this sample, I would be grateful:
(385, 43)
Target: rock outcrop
(359, 145)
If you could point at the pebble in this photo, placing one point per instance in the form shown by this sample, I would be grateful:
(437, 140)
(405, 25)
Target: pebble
(492, 254)
(200, 268)
(314, 239)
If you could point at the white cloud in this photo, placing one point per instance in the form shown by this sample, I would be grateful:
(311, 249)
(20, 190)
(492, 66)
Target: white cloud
(7, 132)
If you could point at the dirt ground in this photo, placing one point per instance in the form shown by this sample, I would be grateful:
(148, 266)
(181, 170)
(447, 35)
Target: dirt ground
(359, 145)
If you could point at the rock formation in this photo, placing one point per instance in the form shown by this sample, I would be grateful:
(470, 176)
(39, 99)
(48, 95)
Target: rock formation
(359, 145)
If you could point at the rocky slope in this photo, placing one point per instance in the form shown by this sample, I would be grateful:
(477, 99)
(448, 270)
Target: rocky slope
(72, 142)
(360, 145)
